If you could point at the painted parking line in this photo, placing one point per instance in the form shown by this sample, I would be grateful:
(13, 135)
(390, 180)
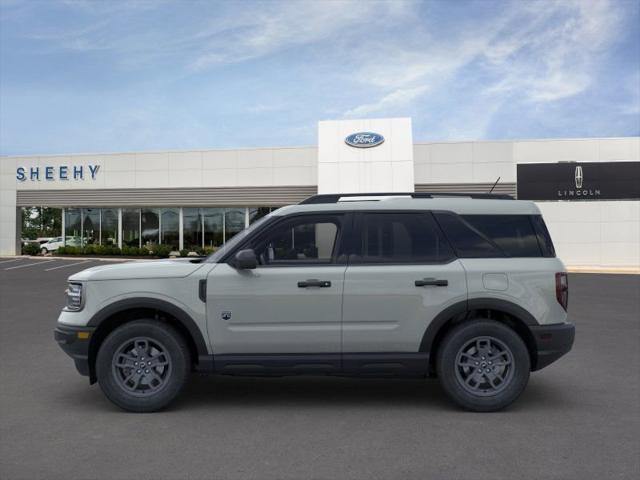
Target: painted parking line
(65, 266)
(30, 264)
(9, 261)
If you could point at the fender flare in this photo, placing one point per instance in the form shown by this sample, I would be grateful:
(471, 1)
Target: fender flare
(156, 304)
(464, 307)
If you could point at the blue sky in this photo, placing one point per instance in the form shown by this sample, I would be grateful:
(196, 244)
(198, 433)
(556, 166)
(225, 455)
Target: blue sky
(90, 76)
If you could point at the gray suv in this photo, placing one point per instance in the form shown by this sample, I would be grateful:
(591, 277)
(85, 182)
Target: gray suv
(466, 288)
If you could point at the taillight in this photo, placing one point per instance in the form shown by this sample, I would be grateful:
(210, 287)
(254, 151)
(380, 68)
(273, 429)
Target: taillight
(562, 289)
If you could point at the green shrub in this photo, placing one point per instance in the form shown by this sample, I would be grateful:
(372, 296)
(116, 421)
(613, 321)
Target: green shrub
(161, 251)
(68, 250)
(89, 250)
(184, 252)
(31, 249)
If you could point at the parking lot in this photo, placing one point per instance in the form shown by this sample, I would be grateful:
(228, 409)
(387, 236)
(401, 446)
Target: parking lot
(578, 418)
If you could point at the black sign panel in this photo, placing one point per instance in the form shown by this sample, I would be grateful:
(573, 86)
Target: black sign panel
(579, 181)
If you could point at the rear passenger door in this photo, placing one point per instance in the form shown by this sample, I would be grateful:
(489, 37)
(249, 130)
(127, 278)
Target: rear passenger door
(403, 273)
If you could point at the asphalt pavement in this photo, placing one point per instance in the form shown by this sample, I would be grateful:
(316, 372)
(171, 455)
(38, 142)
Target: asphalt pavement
(578, 419)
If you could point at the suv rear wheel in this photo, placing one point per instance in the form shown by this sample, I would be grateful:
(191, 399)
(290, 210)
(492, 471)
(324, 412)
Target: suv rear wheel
(483, 365)
(143, 365)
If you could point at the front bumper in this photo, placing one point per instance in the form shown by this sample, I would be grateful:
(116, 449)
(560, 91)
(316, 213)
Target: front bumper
(552, 342)
(75, 343)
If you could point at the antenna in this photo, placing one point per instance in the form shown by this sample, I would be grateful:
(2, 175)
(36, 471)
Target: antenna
(494, 185)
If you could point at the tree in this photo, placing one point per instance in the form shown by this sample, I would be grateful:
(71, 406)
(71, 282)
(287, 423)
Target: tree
(41, 222)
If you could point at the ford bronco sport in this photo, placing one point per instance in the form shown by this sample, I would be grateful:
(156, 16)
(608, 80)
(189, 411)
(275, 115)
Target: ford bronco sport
(463, 287)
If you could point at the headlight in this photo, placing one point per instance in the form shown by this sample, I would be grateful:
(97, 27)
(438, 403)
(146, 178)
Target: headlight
(74, 297)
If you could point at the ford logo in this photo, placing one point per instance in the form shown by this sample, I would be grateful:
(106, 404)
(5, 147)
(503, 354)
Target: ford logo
(364, 139)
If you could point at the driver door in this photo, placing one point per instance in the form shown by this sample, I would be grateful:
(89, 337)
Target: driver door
(291, 303)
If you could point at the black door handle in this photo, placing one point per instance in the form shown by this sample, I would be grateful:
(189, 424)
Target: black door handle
(431, 282)
(314, 283)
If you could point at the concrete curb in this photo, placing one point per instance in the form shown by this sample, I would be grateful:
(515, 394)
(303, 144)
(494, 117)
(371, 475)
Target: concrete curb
(615, 270)
(99, 259)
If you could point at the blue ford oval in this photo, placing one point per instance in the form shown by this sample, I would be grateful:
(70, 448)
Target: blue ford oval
(364, 139)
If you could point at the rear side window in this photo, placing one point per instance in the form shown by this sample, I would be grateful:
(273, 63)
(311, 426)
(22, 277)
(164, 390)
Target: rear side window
(402, 238)
(467, 241)
(544, 239)
(487, 236)
(513, 234)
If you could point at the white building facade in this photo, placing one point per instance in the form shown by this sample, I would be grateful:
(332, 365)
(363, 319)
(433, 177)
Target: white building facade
(588, 189)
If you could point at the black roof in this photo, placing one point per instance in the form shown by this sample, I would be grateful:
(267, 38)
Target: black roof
(335, 197)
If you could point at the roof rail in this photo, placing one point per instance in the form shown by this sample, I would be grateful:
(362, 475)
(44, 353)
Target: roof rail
(335, 197)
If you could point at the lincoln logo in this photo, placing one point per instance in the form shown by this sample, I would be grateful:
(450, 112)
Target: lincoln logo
(579, 191)
(364, 139)
(579, 177)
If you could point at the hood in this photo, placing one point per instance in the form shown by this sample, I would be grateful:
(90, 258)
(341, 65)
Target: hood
(139, 270)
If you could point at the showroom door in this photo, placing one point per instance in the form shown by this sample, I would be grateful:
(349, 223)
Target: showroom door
(291, 303)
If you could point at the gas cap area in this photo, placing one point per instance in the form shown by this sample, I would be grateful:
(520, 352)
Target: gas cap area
(495, 281)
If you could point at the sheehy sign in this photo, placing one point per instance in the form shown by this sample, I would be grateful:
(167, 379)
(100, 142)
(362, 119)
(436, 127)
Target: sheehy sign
(579, 181)
(60, 172)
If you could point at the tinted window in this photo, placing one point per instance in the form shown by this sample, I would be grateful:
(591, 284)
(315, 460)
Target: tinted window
(304, 240)
(467, 241)
(544, 239)
(402, 238)
(513, 234)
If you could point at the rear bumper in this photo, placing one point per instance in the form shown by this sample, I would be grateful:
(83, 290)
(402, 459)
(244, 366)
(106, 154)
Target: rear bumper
(552, 342)
(75, 343)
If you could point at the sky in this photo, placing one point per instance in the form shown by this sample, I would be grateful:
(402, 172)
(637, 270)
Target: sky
(88, 76)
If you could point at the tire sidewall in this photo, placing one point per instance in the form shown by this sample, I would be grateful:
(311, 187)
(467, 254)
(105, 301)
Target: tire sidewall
(176, 349)
(446, 364)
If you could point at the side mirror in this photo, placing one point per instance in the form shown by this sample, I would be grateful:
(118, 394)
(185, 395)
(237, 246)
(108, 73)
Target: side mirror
(245, 260)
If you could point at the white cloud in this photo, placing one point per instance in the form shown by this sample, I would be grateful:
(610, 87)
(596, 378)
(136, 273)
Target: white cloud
(286, 25)
(537, 51)
(398, 98)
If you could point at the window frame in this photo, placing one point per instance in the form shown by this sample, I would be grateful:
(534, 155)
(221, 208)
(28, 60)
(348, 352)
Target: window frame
(356, 250)
(339, 256)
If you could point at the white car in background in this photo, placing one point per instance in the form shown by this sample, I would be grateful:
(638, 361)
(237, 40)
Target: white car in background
(56, 242)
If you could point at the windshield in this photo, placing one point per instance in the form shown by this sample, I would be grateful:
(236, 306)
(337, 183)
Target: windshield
(237, 238)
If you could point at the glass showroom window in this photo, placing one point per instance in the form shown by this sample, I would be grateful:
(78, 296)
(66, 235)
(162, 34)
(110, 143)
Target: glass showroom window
(170, 227)
(256, 213)
(192, 228)
(150, 222)
(109, 226)
(213, 219)
(90, 226)
(131, 227)
(72, 226)
(234, 222)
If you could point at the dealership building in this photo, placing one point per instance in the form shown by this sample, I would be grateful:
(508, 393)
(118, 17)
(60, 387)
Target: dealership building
(587, 189)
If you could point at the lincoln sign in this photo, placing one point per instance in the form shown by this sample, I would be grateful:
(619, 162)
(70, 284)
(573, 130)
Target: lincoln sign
(579, 181)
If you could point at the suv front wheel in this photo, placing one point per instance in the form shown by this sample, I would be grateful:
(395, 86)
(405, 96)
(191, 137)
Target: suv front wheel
(143, 365)
(483, 365)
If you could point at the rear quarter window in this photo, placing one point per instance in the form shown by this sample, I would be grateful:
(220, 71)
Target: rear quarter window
(489, 236)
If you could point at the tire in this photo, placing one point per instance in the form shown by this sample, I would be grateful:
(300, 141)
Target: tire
(125, 374)
(483, 365)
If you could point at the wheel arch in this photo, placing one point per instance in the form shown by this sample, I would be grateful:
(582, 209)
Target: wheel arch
(503, 311)
(127, 310)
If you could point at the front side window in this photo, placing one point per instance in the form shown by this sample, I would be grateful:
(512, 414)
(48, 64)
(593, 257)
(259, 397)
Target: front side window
(402, 238)
(303, 240)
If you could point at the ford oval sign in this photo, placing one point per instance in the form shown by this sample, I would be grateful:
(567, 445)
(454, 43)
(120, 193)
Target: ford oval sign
(364, 139)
